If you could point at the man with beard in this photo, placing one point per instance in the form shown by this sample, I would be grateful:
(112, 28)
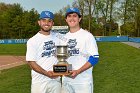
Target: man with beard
(40, 56)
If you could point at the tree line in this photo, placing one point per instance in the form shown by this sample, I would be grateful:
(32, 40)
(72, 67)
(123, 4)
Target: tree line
(100, 17)
(111, 17)
(17, 23)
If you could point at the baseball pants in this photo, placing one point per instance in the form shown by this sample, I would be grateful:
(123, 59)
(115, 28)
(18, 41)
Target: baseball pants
(77, 88)
(52, 86)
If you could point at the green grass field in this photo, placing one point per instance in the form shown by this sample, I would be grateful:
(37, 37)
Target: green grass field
(12, 49)
(15, 80)
(117, 72)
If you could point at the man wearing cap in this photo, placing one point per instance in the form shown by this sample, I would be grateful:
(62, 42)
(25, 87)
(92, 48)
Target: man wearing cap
(40, 55)
(83, 53)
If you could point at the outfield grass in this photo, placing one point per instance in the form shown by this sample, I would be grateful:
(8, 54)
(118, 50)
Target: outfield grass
(12, 49)
(15, 80)
(117, 72)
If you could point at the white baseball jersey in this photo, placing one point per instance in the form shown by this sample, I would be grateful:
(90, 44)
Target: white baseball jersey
(41, 49)
(81, 45)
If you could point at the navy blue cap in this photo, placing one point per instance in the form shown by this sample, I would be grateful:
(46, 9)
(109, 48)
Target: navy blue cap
(73, 10)
(46, 14)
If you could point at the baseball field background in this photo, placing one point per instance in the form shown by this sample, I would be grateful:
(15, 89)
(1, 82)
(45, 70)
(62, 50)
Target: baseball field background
(118, 70)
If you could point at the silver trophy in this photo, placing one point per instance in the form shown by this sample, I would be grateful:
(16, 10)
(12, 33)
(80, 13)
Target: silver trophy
(62, 67)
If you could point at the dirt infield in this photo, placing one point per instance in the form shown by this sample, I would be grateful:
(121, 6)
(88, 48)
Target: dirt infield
(11, 61)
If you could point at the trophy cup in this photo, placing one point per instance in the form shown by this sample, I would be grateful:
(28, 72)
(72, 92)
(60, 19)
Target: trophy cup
(62, 67)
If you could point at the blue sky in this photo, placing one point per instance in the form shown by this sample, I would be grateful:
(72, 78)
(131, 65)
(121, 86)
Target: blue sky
(40, 5)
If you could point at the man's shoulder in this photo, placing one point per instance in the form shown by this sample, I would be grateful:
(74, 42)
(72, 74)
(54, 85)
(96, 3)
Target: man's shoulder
(86, 32)
(33, 38)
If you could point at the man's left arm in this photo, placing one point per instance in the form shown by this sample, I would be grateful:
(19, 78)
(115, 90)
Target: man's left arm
(93, 59)
(91, 62)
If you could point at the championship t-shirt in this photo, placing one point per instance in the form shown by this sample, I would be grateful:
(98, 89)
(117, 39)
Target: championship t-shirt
(81, 45)
(42, 49)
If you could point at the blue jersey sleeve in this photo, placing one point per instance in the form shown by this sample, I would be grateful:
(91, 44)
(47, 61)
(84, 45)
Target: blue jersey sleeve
(93, 59)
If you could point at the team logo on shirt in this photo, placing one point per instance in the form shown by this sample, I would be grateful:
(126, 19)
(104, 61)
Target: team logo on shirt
(48, 45)
(49, 49)
(72, 47)
(72, 43)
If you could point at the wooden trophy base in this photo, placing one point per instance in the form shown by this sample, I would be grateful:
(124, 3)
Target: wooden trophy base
(61, 69)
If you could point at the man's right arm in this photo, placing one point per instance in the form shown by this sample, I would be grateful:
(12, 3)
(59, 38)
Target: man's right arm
(40, 70)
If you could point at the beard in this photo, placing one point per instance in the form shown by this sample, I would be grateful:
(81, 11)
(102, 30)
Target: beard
(45, 29)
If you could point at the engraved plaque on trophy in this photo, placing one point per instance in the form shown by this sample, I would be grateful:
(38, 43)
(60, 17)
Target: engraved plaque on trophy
(62, 67)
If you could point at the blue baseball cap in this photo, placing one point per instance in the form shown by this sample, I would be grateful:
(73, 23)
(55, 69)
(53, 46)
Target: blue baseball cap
(46, 14)
(73, 10)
